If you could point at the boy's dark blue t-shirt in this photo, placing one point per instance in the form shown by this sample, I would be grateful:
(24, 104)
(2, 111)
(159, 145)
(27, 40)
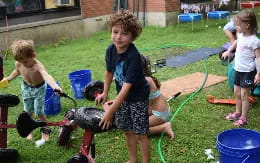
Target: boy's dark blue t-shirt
(127, 67)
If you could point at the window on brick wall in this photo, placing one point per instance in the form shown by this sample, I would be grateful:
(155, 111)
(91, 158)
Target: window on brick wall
(194, 1)
(120, 4)
(27, 11)
(18, 6)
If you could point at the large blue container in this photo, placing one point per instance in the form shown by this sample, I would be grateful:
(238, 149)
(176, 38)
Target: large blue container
(52, 102)
(79, 79)
(239, 146)
(231, 74)
(231, 79)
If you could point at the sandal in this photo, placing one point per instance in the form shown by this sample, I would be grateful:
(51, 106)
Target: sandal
(240, 122)
(233, 116)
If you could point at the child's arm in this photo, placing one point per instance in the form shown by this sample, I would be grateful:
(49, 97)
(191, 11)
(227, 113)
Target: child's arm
(106, 121)
(230, 49)
(108, 76)
(121, 97)
(48, 78)
(257, 76)
(13, 75)
(5, 82)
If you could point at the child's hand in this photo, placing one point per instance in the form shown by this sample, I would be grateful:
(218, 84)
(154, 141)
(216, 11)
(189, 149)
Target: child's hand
(225, 55)
(101, 98)
(107, 104)
(4, 83)
(257, 79)
(107, 119)
(58, 91)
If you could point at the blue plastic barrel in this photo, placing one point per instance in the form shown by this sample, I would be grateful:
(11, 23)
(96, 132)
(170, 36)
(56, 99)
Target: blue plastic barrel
(231, 74)
(79, 79)
(239, 146)
(52, 102)
(231, 79)
(256, 90)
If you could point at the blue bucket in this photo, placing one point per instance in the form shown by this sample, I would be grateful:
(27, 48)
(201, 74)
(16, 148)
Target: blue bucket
(52, 102)
(239, 146)
(79, 79)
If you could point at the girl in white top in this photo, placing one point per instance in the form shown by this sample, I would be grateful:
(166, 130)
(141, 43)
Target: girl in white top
(247, 52)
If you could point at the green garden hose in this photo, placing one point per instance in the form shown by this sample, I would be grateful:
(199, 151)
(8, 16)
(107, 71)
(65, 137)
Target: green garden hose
(186, 101)
(179, 109)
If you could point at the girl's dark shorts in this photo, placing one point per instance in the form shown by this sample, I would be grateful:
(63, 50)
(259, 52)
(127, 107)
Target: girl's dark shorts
(133, 116)
(244, 79)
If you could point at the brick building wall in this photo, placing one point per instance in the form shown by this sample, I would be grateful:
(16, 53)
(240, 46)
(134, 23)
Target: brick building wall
(172, 5)
(155, 6)
(94, 16)
(92, 8)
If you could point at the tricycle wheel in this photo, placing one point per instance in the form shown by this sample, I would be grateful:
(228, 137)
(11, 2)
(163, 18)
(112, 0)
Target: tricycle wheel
(88, 118)
(64, 132)
(78, 159)
(8, 100)
(93, 88)
(64, 135)
(8, 155)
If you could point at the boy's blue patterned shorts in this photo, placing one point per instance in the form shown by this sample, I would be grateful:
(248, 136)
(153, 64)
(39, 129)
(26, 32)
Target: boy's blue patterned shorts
(133, 116)
(34, 98)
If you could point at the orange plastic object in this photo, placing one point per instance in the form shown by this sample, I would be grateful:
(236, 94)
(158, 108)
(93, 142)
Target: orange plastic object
(211, 99)
(252, 100)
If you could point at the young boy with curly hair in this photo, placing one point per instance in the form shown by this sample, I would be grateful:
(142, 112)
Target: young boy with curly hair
(35, 77)
(130, 107)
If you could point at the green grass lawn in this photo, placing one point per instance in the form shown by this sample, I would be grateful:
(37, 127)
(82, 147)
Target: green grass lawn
(196, 125)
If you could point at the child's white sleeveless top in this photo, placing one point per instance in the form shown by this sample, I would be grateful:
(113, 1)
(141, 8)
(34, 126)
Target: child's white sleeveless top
(245, 52)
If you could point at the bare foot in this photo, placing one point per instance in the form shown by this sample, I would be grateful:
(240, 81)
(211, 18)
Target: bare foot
(168, 130)
(45, 136)
(29, 137)
(130, 161)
